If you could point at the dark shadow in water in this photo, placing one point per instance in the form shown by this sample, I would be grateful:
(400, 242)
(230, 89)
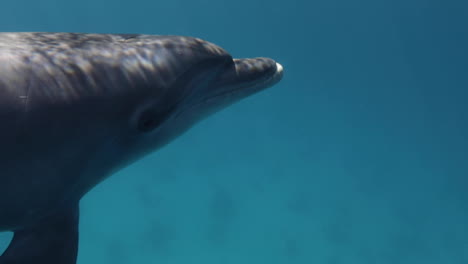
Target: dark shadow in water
(117, 252)
(148, 197)
(291, 247)
(222, 210)
(338, 226)
(158, 238)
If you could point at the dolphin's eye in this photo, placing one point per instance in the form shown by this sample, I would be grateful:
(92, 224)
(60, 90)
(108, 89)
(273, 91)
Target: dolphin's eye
(147, 125)
(150, 120)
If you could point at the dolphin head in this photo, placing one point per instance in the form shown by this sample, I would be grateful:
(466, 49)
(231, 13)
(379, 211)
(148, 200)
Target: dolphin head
(199, 78)
(87, 105)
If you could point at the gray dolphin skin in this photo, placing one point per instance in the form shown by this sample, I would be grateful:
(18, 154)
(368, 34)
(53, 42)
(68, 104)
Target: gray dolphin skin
(75, 108)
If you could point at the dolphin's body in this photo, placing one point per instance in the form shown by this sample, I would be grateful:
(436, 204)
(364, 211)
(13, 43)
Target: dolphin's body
(75, 108)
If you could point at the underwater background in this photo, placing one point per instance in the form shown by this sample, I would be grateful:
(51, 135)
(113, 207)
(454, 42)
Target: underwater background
(358, 156)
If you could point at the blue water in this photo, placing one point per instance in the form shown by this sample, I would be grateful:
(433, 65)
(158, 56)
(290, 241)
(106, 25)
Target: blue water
(359, 156)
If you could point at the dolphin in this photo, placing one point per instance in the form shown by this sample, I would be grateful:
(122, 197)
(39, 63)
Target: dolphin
(75, 108)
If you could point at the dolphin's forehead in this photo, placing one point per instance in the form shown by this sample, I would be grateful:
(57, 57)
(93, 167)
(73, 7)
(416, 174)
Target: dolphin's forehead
(65, 63)
(67, 42)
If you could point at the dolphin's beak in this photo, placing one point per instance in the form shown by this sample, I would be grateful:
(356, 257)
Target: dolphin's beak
(247, 76)
(258, 71)
(239, 78)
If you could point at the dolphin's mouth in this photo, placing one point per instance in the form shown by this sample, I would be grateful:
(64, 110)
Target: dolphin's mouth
(245, 77)
(238, 79)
